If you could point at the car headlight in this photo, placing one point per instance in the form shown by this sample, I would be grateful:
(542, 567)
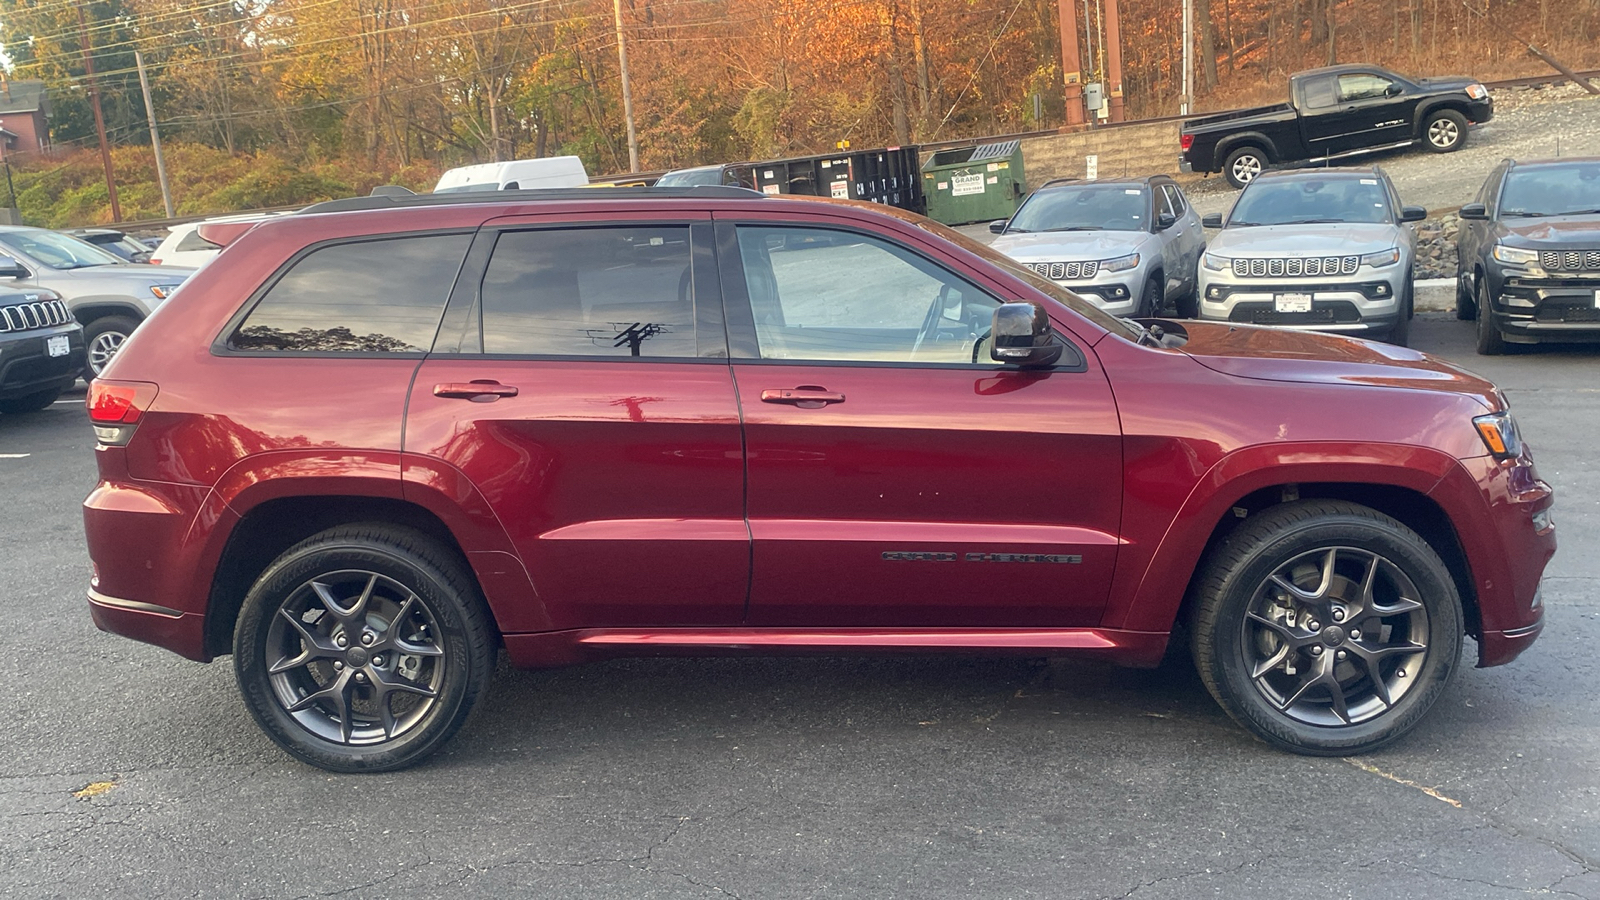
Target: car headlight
(1477, 91)
(163, 291)
(1120, 264)
(1500, 434)
(1515, 256)
(1216, 263)
(1382, 258)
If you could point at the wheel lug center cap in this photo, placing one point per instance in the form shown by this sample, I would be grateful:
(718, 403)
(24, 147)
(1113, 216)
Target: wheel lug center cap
(1333, 635)
(356, 656)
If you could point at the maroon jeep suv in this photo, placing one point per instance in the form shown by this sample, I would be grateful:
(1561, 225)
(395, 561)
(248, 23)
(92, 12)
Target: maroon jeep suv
(375, 442)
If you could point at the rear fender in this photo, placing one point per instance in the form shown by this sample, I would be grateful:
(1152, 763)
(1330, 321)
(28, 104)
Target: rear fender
(1231, 142)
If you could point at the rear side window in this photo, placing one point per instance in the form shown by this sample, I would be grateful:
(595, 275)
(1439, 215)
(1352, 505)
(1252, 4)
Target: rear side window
(193, 241)
(623, 291)
(1319, 92)
(383, 296)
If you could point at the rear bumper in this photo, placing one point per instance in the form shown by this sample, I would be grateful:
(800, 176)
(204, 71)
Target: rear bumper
(180, 632)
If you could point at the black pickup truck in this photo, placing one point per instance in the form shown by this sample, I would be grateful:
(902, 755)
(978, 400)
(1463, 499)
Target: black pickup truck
(1335, 112)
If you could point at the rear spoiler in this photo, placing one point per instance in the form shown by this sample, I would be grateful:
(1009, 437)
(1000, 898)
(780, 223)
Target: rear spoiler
(224, 233)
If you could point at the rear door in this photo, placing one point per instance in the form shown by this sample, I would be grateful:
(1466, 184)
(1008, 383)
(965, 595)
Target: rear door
(581, 384)
(898, 477)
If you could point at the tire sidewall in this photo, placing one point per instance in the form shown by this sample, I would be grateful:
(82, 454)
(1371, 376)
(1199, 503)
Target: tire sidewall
(1490, 342)
(1454, 118)
(1231, 671)
(96, 329)
(1233, 158)
(279, 582)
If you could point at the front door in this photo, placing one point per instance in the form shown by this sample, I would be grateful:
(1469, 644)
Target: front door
(582, 385)
(896, 476)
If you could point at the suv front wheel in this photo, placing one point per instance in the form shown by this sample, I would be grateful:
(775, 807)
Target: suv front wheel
(103, 337)
(1325, 627)
(363, 648)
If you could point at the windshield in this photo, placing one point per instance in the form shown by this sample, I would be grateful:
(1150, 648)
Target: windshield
(1552, 191)
(58, 251)
(1306, 201)
(1056, 292)
(689, 177)
(1089, 207)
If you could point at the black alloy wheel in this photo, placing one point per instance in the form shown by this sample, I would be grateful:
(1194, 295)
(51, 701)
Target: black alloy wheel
(1326, 628)
(1150, 297)
(363, 648)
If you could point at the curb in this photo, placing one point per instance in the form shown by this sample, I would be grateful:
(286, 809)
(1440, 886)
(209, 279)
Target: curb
(1435, 294)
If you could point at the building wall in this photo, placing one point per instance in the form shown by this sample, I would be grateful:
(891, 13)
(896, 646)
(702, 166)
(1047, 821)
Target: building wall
(31, 131)
(1124, 150)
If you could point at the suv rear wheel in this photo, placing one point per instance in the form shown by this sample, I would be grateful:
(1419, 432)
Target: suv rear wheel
(363, 648)
(1243, 165)
(1325, 627)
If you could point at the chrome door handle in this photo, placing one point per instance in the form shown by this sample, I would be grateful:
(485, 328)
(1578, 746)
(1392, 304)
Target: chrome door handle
(478, 391)
(806, 396)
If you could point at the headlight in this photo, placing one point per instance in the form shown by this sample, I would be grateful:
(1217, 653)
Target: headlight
(1216, 263)
(163, 291)
(1384, 258)
(1515, 256)
(1500, 434)
(1477, 91)
(1120, 264)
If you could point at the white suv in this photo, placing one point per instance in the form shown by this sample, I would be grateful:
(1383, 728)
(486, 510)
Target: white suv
(1319, 249)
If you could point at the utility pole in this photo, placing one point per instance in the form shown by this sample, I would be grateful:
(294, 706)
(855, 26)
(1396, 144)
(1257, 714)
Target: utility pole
(1114, 59)
(1071, 65)
(1188, 62)
(99, 120)
(155, 134)
(627, 92)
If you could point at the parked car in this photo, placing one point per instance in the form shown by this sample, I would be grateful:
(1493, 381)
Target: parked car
(1528, 254)
(1333, 113)
(124, 246)
(41, 350)
(732, 174)
(1319, 249)
(1131, 246)
(678, 421)
(107, 295)
(184, 245)
(517, 174)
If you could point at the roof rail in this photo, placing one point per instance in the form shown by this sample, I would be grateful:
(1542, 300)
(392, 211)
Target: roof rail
(1055, 181)
(390, 201)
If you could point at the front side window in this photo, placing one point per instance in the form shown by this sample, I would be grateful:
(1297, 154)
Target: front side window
(1087, 207)
(819, 294)
(60, 251)
(1363, 86)
(381, 296)
(616, 291)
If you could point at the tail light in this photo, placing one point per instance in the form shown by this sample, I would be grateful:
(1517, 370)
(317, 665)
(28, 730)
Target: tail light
(154, 261)
(1186, 141)
(115, 408)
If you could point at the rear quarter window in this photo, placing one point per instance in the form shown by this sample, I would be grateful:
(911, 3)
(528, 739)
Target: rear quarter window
(373, 296)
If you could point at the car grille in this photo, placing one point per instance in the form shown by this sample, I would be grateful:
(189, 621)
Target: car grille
(1570, 260)
(37, 314)
(1066, 271)
(1551, 312)
(1296, 267)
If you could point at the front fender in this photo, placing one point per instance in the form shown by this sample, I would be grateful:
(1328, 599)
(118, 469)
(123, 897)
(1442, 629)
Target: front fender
(1154, 568)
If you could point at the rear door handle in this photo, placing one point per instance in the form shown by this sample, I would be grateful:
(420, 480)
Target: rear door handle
(482, 391)
(806, 396)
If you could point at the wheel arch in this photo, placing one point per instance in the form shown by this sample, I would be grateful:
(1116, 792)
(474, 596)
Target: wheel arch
(1428, 108)
(1246, 139)
(87, 312)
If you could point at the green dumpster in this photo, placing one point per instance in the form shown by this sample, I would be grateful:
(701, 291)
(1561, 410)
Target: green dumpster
(973, 184)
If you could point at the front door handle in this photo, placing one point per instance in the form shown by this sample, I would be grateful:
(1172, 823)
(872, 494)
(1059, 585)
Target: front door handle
(480, 391)
(806, 396)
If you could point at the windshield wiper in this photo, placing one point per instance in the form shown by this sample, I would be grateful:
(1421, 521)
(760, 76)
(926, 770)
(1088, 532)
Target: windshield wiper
(1313, 222)
(1580, 212)
(1522, 214)
(1077, 228)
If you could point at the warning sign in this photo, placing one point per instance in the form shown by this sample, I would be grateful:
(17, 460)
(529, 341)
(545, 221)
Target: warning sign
(963, 185)
(840, 190)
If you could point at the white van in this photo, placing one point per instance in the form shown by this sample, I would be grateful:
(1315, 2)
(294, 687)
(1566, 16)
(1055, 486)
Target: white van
(518, 174)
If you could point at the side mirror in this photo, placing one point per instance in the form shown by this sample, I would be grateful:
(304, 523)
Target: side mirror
(141, 256)
(1022, 336)
(10, 268)
(1212, 220)
(1412, 214)
(1393, 90)
(999, 227)
(1475, 211)
(1165, 221)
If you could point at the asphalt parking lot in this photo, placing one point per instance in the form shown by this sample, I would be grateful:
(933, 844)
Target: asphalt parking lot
(127, 770)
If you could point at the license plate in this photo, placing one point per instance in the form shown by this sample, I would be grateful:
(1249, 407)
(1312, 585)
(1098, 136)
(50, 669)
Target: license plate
(1292, 303)
(57, 346)
(1597, 299)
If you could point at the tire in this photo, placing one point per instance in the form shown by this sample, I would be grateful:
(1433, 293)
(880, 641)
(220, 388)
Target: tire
(29, 403)
(1243, 164)
(1466, 307)
(1400, 334)
(1150, 297)
(296, 642)
(1490, 341)
(1298, 674)
(102, 338)
(1444, 131)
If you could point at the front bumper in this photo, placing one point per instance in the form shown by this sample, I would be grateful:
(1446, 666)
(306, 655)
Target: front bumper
(1533, 305)
(1115, 292)
(27, 368)
(1361, 305)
